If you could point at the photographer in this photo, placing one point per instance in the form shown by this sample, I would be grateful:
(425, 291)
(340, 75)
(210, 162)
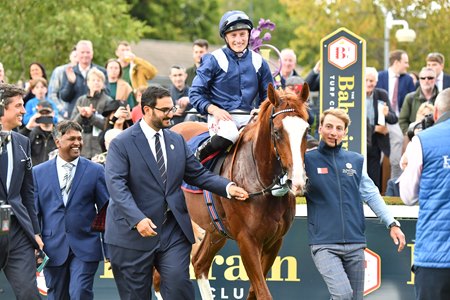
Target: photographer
(426, 180)
(39, 131)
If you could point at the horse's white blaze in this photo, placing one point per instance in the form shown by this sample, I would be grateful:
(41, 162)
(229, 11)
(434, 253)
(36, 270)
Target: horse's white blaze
(296, 127)
(158, 296)
(205, 288)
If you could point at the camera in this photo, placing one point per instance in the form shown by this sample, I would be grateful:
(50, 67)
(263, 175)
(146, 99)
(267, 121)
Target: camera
(423, 124)
(5, 217)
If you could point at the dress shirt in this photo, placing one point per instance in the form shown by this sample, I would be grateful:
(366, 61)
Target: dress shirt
(150, 135)
(9, 149)
(440, 82)
(410, 178)
(392, 80)
(62, 171)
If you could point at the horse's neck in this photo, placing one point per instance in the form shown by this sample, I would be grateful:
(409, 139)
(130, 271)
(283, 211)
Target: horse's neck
(255, 148)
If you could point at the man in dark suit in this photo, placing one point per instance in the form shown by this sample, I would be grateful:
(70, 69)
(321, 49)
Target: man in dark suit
(17, 249)
(147, 222)
(436, 61)
(68, 191)
(377, 132)
(397, 83)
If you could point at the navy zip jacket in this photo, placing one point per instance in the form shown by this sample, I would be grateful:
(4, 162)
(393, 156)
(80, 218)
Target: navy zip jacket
(335, 207)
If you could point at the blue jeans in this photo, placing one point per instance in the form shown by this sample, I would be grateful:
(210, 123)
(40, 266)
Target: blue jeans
(342, 268)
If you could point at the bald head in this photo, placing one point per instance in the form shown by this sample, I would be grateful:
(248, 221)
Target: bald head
(442, 103)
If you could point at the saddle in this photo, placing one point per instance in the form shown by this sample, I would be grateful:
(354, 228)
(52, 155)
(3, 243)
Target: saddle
(213, 162)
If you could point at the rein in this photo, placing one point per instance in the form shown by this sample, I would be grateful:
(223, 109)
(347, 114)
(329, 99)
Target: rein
(277, 179)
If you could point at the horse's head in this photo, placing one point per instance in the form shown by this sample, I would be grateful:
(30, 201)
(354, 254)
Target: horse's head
(288, 128)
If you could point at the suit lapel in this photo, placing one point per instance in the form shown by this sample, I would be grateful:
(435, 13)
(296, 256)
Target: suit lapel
(20, 161)
(54, 179)
(143, 147)
(171, 152)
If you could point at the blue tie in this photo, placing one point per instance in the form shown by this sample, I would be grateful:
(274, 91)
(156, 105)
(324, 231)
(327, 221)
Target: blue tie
(160, 160)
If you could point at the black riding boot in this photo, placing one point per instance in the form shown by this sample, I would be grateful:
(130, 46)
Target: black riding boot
(212, 145)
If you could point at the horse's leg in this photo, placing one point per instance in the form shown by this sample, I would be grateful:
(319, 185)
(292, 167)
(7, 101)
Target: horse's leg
(202, 260)
(251, 257)
(157, 284)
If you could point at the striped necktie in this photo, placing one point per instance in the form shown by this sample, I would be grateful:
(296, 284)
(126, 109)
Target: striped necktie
(160, 159)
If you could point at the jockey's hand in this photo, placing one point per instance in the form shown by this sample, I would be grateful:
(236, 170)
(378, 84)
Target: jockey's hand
(219, 114)
(237, 192)
(145, 228)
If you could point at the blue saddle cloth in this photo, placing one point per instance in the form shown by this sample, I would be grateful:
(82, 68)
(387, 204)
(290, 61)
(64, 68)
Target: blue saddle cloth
(193, 144)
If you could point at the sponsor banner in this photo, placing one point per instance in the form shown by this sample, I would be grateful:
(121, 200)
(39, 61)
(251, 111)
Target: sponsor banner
(343, 62)
(388, 274)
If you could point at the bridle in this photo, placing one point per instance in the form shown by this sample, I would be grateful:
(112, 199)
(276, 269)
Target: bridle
(277, 179)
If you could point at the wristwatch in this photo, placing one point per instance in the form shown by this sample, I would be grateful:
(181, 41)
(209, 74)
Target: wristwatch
(394, 224)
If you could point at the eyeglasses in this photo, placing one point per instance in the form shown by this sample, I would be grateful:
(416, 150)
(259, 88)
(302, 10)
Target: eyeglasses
(167, 111)
(427, 77)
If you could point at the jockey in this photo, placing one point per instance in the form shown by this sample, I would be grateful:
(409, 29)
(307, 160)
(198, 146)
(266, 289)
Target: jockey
(231, 79)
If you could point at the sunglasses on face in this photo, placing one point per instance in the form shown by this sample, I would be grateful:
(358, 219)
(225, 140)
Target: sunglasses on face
(427, 77)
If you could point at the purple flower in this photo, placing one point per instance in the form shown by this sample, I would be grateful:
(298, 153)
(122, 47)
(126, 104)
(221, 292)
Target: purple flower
(255, 39)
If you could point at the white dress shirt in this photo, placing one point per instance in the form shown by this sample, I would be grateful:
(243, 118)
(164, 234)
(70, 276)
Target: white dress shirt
(150, 135)
(410, 178)
(62, 171)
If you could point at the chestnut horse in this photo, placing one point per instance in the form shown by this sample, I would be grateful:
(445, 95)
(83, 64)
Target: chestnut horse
(267, 149)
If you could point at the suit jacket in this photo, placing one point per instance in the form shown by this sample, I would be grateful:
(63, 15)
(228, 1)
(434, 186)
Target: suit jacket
(446, 81)
(70, 225)
(378, 139)
(137, 191)
(20, 195)
(405, 86)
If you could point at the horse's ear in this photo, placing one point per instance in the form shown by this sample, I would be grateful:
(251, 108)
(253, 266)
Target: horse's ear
(272, 95)
(304, 94)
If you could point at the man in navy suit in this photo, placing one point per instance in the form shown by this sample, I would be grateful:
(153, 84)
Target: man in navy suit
(68, 192)
(17, 248)
(147, 222)
(436, 61)
(396, 81)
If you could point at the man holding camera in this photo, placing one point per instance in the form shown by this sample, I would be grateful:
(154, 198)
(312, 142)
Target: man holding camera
(17, 248)
(426, 180)
(39, 131)
(426, 92)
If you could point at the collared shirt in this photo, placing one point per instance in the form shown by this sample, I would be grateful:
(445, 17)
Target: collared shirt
(150, 135)
(84, 71)
(410, 178)
(62, 171)
(9, 150)
(392, 79)
(440, 81)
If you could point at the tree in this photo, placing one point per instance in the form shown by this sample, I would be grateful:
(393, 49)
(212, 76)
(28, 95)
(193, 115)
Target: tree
(366, 18)
(178, 20)
(46, 31)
